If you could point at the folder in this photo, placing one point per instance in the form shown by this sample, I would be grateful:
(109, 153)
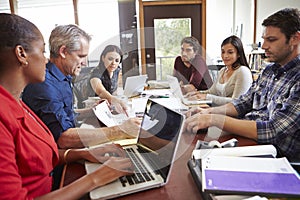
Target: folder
(198, 156)
(272, 177)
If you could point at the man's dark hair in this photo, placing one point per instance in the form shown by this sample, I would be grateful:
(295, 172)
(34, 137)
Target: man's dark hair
(287, 20)
(193, 42)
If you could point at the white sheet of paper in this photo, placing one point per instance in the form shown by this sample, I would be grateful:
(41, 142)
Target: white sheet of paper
(138, 106)
(162, 92)
(255, 150)
(103, 113)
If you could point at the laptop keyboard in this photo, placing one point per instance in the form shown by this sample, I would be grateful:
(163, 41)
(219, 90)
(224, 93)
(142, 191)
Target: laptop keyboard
(140, 174)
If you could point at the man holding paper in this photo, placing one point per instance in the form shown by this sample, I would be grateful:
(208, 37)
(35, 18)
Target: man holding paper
(270, 111)
(52, 100)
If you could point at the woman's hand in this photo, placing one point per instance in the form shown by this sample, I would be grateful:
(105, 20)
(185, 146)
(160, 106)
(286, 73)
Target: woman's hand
(188, 88)
(104, 152)
(119, 105)
(195, 95)
(111, 170)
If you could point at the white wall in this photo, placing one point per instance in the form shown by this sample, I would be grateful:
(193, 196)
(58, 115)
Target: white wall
(243, 21)
(100, 18)
(224, 18)
(219, 21)
(268, 7)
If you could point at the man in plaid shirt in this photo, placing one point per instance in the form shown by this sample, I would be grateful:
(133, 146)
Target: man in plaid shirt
(270, 111)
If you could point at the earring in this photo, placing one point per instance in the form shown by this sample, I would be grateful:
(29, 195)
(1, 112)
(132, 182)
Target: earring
(26, 63)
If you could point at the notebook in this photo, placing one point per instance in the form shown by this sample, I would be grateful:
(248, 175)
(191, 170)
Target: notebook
(176, 90)
(134, 85)
(272, 177)
(249, 160)
(153, 154)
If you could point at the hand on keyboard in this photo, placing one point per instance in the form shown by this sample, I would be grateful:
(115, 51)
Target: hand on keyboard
(102, 153)
(112, 169)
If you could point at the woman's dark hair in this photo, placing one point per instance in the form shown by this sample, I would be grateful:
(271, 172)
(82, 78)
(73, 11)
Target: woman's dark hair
(111, 48)
(287, 20)
(15, 30)
(237, 43)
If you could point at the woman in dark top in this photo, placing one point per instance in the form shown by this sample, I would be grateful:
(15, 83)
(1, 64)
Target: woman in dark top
(104, 78)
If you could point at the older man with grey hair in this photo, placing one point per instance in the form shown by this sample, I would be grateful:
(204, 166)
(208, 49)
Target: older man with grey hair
(52, 100)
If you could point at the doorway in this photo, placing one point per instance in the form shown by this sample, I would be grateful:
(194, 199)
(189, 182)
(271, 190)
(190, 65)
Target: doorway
(190, 15)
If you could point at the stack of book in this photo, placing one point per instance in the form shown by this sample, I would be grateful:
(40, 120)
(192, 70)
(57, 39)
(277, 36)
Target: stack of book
(247, 171)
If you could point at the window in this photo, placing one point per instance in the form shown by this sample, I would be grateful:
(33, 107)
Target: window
(47, 14)
(100, 18)
(4, 6)
(168, 35)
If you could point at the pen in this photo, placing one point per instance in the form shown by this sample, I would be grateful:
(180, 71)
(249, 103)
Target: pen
(159, 96)
(125, 112)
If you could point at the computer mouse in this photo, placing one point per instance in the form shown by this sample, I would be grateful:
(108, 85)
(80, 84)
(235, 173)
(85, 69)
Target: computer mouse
(214, 144)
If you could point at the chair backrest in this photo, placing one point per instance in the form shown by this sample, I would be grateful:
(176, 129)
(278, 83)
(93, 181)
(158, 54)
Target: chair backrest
(214, 71)
(81, 86)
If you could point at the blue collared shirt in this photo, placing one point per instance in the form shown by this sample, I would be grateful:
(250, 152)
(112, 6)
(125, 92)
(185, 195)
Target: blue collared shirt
(273, 102)
(52, 100)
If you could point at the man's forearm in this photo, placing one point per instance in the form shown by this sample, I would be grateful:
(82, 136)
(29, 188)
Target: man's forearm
(246, 128)
(227, 109)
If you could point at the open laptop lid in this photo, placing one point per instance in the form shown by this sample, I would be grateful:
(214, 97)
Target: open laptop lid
(159, 136)
(134, 85)
(176, 90)
(175, 86)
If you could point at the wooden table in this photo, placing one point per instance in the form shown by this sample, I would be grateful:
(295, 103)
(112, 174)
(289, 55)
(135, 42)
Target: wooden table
(181, 184)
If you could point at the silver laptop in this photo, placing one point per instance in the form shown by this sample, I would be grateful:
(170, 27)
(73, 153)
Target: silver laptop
(152, 155)
(134, 85)
(176, 90)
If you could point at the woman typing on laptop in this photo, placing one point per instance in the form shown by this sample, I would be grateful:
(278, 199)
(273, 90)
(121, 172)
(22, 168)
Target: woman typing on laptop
(29, 152)
(233, 80)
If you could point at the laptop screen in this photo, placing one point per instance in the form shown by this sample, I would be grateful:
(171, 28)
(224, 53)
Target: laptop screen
(175, 86)
(159, 133)
(134, 85)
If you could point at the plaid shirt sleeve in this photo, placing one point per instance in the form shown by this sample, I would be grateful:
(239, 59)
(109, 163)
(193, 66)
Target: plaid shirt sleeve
(273, 102)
